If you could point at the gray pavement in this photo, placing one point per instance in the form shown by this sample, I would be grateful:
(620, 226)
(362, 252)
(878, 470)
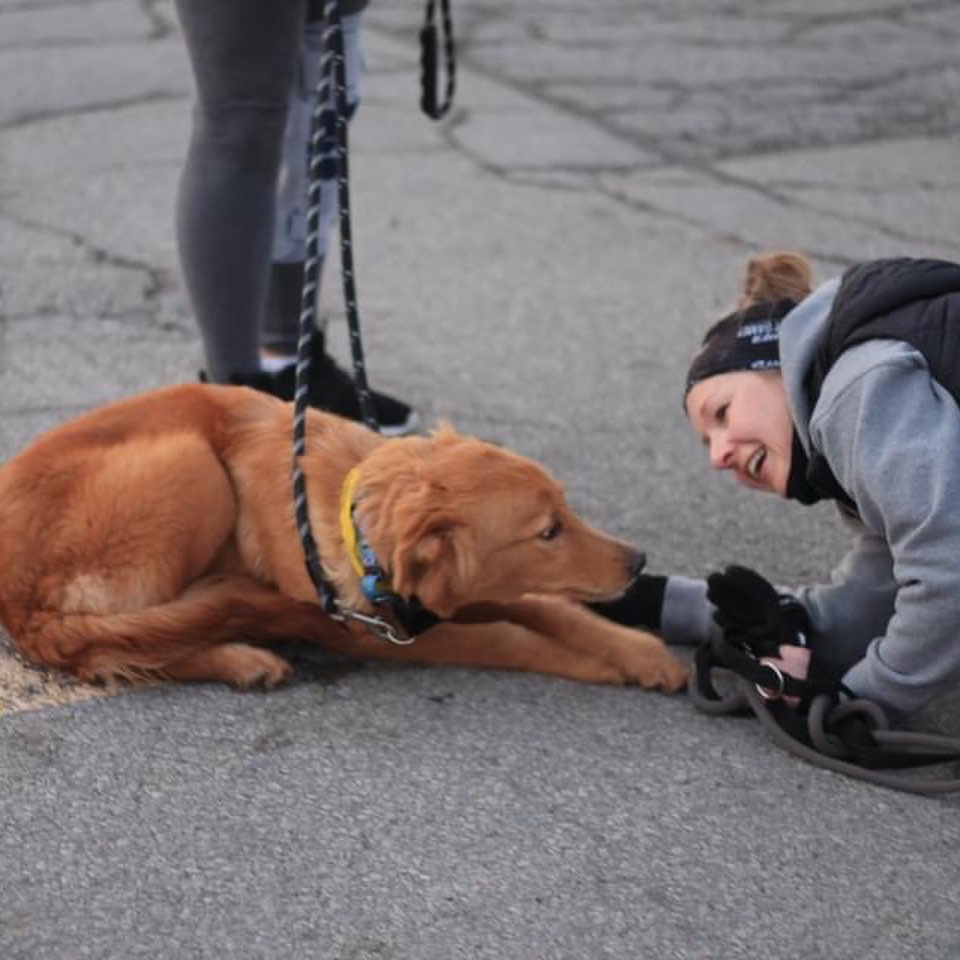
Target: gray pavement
(537, 268)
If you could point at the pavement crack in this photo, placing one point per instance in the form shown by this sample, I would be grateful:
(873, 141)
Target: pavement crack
(157, 280)
(161, 26)
(733, 126)
(897, 13)
(722, 236)
(29, 118)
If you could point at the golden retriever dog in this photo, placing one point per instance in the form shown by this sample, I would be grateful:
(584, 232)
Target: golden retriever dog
(156, 537)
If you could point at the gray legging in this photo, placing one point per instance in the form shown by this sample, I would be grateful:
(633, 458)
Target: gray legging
(244, 55)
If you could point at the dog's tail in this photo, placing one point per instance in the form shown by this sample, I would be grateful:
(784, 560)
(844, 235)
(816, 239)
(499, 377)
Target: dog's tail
(140, 643)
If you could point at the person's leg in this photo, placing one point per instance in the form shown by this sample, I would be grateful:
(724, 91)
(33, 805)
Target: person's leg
(281, 327)
(243, 55)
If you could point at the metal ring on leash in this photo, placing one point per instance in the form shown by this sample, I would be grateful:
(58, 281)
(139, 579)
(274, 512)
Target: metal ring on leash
(776, 693)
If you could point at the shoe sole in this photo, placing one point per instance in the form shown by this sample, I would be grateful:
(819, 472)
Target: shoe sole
(410, 425)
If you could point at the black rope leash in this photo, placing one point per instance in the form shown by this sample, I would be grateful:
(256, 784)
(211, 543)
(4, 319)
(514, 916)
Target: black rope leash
(329, 115)
(319, 121)
(338, 77)
(329, 122)
(429, 42)
(851, 736)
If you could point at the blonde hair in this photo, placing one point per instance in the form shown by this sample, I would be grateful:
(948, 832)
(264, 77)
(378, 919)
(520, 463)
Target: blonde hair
(773, 275)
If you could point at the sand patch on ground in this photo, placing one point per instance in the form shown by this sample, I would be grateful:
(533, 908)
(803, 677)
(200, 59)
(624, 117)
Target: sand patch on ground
(26, 687)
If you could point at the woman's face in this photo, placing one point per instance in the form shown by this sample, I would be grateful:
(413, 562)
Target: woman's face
(744, 421)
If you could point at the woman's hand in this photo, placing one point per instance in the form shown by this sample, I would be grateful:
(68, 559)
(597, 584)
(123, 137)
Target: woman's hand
(793, 661)
(749, 606)
(752, 614)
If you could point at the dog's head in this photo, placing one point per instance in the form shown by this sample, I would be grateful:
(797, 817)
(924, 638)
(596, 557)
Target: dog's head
(459, 521)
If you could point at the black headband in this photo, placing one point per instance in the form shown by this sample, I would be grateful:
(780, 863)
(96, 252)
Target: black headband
(743, 340)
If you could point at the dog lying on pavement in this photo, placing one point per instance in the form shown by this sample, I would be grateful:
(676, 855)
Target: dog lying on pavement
(155, 537)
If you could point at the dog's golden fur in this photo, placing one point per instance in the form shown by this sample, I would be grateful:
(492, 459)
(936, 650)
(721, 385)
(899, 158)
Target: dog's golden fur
(155, 537)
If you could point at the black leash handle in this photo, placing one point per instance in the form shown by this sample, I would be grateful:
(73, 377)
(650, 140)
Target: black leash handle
(820, 745)
(918, 744)
(429, 60)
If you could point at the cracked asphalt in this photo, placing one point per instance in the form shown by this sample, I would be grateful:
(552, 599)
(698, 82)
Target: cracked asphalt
(536, 268)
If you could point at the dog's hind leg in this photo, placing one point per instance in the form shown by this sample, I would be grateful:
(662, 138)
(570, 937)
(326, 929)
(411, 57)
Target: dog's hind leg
(120, 584)
(178, 639)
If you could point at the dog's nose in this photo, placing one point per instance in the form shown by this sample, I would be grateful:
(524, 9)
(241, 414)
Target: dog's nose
(637, 563)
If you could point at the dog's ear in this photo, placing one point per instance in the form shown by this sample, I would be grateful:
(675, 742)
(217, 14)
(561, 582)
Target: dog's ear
(437, 564)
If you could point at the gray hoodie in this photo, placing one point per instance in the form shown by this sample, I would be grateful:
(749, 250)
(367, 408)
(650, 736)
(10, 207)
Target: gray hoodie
(891, 435)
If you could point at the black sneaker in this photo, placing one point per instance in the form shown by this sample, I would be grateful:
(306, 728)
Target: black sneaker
(332, 389)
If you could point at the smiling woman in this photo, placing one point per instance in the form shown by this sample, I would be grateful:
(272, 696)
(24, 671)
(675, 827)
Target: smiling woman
(848, 392)
(744, 421)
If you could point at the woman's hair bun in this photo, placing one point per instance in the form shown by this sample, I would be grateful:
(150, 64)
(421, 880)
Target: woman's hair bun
(773, 275)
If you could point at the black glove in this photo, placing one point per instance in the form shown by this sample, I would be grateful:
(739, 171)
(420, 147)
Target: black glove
(750, 611)
(640, 606)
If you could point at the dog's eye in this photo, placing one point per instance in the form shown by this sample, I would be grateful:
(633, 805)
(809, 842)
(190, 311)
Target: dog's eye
(552, 532)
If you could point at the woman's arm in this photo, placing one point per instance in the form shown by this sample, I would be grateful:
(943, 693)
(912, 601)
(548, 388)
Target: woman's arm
(856, 604)
(892, 437)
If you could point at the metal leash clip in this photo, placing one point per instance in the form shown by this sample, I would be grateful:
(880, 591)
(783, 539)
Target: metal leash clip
(383, 629)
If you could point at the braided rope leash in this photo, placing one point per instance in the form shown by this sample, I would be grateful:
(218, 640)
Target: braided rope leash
(428, 60)
(308, 306)
(329, 115)
(329, 121)
(336, 114)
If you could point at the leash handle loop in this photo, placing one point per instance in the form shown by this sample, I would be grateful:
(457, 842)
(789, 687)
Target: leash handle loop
(429, 60)
(822, 737)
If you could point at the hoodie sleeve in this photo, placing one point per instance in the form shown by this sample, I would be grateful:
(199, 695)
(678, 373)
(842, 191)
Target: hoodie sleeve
(687, 614)
(891, 434)
(850, 610)
(857, 603)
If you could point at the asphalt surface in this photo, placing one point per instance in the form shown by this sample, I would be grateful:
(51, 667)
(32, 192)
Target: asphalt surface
(537, 268)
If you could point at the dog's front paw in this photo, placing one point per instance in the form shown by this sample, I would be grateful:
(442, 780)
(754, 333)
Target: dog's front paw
(651, 665)
(670, 675)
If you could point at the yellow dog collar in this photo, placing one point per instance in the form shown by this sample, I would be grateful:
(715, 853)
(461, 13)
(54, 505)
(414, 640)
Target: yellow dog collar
(348, 529)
